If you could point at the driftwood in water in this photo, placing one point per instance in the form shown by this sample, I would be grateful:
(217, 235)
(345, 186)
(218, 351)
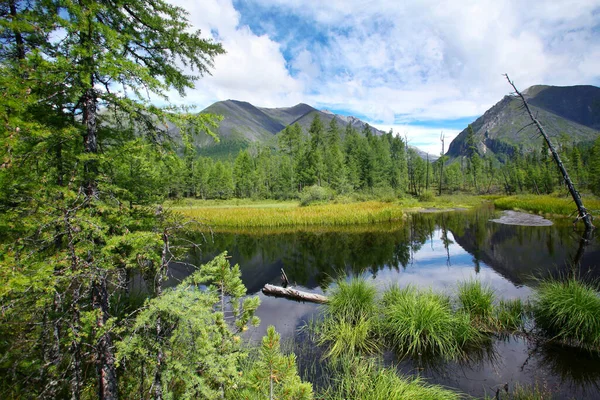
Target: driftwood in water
(272, 290)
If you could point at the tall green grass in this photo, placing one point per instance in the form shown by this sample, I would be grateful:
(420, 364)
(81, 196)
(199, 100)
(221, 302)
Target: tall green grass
(355, 378)
(568, 311)
(350, 324)
(352, 299)
(420, 322)
(546, 204)
(477, 300)
(286, 215)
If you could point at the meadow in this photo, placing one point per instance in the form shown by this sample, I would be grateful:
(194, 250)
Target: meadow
(245, 213)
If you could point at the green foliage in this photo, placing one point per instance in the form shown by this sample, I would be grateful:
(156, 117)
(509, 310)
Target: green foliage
(350, 324)
(545, 204)
(422, 322)
(352, 300)
(346, 338)
(509, 315)
(568, 311)
(315, 194)
(180, 337)
(272, 375)
(477, 300)
(356, 378)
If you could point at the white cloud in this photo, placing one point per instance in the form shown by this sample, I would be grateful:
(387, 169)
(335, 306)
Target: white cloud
(426, 139)
(253, 69)
(398, 62)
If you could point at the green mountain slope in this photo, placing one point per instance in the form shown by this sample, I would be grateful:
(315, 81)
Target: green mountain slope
(569, 114)
(244, 124)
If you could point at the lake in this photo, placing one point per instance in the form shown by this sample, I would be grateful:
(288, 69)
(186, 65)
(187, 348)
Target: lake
(435, 250)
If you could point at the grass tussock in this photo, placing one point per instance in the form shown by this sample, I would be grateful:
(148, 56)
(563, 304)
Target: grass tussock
(477, 300)
(346, 338)
(285, 215)
(352, 299)
(546, 204)
(509, 315)
(363, 379)
(568, 311)
(350, 324)
(422, 322)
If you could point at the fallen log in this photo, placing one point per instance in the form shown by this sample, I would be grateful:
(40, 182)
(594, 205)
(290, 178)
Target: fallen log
(278, 291)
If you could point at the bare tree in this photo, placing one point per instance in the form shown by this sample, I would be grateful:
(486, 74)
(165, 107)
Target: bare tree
(581, 210)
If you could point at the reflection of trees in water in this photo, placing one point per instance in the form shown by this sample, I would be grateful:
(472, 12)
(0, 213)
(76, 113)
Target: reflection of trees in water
(316, 257)
(574, 367)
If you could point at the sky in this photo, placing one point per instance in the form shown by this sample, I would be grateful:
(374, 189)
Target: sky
(418, 67)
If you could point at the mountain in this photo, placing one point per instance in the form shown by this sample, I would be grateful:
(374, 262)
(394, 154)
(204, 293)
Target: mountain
(568, 113)
(244, 123)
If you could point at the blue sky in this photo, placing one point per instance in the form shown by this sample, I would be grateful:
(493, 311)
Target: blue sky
(418, 67)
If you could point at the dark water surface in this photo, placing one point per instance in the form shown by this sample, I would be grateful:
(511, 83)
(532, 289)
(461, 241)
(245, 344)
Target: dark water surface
(427, 250)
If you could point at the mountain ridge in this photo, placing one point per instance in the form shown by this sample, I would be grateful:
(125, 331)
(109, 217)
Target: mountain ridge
(567, 112)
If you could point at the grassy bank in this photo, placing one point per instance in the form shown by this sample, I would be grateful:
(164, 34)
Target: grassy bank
(247, 213)
(547, 204)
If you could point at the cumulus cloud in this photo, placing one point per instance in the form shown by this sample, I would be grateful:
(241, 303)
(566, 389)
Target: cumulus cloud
(253, 68)
(395, 63)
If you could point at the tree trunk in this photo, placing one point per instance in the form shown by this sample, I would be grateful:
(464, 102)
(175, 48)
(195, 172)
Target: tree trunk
(107, 388)
(583, 214)
(18, 37)
(278, 291)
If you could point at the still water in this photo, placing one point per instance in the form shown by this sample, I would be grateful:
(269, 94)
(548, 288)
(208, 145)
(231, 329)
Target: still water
(435, 250)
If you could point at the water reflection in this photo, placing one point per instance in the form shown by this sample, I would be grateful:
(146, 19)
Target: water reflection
(427, 250)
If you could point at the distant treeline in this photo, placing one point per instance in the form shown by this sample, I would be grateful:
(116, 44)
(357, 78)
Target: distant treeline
(344, 161)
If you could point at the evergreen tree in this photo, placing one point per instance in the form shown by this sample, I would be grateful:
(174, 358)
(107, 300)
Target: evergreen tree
(111, 56)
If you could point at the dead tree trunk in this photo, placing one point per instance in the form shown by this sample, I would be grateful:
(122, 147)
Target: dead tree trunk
(582, 212)
(278, 291)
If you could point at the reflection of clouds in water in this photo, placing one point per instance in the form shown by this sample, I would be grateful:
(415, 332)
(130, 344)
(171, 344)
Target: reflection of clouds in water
(282, 313)
(429, 268)
(426, 252)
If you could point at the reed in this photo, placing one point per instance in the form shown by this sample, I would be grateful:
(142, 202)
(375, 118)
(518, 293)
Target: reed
(568, 311)
(509, 315)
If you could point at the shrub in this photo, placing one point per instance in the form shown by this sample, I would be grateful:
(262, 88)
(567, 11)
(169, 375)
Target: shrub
(315, 194)
(426, 195)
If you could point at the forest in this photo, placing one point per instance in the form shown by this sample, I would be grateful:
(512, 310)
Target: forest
(86, 162)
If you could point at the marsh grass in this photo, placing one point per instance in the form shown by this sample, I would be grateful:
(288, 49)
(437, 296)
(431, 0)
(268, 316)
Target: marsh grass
(546, 204)
(356, 378)
(350, 324)
(420, 322)
(509, 315)
(279, 215)
(352, 299)
(345, 338)
(568, 311)
(477, 300)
